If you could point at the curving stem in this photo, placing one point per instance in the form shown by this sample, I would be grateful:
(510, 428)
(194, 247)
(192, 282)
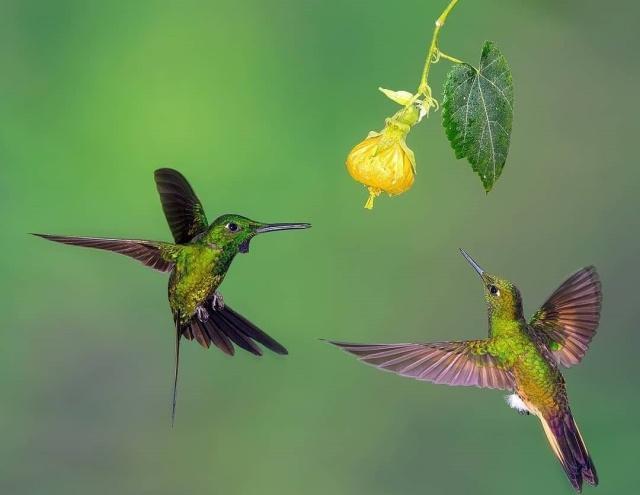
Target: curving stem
(434, 54)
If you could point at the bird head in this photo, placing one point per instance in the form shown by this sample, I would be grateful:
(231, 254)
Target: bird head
(234, 232)
(503, 298)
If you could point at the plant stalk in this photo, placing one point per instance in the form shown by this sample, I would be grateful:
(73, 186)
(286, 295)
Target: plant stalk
(434, 54)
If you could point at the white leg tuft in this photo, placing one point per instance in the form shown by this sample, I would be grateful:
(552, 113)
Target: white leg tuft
(517, 403)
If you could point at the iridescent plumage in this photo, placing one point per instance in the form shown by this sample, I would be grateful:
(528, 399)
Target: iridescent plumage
(198, 260)
(518, 356)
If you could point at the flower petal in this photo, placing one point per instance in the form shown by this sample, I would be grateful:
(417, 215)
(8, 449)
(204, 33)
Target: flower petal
(409, 153)
(400, 97)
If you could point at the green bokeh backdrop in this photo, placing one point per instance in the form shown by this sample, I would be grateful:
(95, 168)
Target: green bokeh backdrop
(258, 104)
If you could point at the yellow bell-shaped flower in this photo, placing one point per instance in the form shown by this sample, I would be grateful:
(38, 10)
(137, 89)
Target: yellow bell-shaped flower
(383, 161)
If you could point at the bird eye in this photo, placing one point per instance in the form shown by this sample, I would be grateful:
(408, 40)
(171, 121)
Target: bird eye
(494, 290)
(232, 227)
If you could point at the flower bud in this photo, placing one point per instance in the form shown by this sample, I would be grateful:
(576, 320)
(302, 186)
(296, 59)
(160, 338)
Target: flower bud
(383, 161)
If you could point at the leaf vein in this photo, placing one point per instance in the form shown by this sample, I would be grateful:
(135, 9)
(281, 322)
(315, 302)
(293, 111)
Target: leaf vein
(468, 78)
(498, 90)
(490, 63)
(486, 113)
(501, 127)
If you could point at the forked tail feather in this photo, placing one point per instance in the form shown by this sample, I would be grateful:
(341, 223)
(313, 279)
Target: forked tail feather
(567, 444)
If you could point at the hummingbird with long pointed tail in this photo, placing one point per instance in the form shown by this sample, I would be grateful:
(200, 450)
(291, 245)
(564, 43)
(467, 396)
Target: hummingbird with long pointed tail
(519, 356)
(198, 261)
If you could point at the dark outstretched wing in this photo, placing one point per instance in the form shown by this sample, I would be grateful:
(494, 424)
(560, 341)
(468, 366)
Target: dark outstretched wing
(153, 254)
(181, 206)
(224, 328)
(568, 320)
(464, 363)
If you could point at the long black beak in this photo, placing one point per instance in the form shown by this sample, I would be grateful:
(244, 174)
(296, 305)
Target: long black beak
(473, 263)
(273, 227)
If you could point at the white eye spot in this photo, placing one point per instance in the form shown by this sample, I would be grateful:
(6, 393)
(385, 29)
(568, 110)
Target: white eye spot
(494, 290)
(232, 227)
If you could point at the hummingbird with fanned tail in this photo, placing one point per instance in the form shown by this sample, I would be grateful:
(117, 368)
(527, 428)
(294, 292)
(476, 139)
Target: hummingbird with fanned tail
(198, 261)
(519, 356)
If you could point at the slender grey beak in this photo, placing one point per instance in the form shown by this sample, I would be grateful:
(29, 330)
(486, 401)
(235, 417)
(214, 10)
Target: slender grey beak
(273, 227)
(473, 263)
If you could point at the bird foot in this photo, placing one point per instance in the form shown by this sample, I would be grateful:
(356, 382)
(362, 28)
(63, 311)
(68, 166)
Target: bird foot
(217, 303)
(202, 314)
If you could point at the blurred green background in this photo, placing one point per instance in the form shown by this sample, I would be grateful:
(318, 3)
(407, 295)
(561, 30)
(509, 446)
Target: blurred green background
(258, 103)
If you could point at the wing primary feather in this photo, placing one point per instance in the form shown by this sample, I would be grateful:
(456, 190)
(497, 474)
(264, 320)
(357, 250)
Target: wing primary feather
(451, 363)
(568, 320)
(149, 253)
(182, 208)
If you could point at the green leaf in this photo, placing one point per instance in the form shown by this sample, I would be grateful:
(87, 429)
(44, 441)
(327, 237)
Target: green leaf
(477, 112)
